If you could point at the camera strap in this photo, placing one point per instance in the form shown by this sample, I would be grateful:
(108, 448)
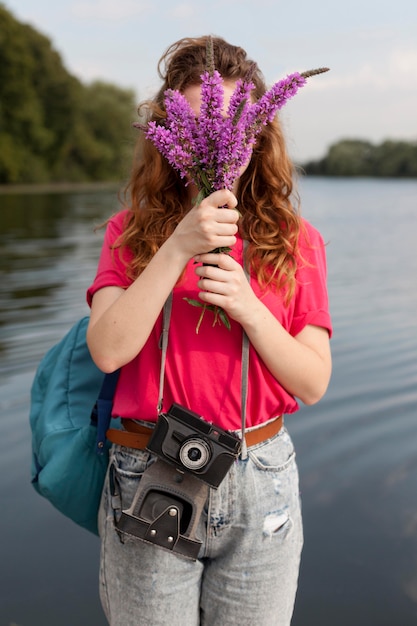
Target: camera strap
(166, 319)
(244, 392)
(245, 371)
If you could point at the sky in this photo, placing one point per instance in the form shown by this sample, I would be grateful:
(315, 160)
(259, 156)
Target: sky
(370, 47)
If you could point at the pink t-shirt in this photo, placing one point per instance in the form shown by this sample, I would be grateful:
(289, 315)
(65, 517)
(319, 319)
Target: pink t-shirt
(203, 371)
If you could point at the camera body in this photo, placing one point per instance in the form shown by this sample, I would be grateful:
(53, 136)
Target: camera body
(193, 445)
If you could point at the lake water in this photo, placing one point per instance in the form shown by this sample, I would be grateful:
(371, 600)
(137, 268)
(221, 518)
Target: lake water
(357, 449)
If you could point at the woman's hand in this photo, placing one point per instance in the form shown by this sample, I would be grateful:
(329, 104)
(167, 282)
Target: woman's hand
(206, 226)
(224, 284)
(302, 364)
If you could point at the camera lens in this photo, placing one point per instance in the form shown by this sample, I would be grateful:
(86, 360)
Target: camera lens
(195, 454)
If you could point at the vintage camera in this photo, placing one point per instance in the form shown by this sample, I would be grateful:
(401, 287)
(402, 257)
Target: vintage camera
(193, 445)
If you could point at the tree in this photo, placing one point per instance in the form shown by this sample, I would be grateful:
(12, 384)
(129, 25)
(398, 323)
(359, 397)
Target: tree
(356, 157)
(107, 112)
(21, 124)
(52, 127)
(396, 158)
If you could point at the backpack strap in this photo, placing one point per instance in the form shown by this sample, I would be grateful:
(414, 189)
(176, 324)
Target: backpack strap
(101, 413)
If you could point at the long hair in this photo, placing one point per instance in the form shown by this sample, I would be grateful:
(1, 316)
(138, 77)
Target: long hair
(158, 197)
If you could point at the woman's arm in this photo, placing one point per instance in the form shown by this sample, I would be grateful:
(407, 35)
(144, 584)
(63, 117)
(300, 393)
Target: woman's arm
(122, 319)
(301, 364)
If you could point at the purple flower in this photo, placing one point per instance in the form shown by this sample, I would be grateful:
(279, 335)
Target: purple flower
(232, 145)
(210, 120)
(265, 109)
(176, 153)
(180, 117)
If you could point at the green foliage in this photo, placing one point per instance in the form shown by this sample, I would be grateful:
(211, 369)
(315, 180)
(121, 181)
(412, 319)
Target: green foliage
(352, 157)
(52, 127)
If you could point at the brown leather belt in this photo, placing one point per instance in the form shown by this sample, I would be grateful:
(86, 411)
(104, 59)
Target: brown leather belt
(137, 436)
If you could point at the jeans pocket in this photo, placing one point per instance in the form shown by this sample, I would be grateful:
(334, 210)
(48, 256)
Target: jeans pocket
(127, 468)
(275, 455)
(275, 478)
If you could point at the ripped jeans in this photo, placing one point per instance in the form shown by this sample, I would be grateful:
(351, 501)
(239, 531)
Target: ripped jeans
(247, 569)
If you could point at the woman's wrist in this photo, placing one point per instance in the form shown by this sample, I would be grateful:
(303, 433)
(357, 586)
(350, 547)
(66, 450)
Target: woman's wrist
(174, 253)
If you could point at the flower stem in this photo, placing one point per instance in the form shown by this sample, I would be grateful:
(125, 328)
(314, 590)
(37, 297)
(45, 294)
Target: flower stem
(200, 319)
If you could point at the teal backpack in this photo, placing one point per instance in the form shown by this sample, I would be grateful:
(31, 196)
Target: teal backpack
(71, 403)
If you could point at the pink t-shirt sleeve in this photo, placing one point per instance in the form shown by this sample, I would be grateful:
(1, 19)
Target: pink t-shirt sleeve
(111, 270)
(311, 303)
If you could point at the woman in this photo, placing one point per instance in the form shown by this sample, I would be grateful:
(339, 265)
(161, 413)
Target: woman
(250, 528)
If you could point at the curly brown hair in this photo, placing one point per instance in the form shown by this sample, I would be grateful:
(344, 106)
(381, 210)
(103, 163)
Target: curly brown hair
(158, 197)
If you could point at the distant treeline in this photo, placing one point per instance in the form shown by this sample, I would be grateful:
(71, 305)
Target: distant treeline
(52, 126)
(354, 157)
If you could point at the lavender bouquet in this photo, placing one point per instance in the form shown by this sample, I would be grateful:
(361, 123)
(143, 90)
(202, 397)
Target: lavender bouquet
(210, 150)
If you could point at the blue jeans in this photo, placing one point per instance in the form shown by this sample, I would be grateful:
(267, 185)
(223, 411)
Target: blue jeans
(247, 569)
